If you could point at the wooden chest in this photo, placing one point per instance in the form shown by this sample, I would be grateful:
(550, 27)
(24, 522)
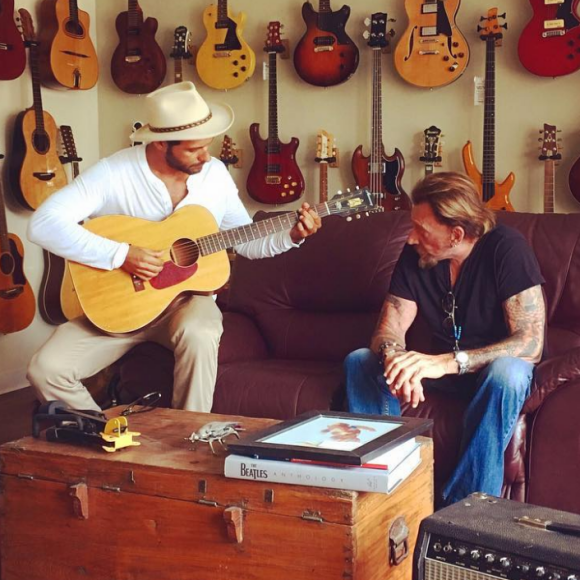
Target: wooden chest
(163, 511)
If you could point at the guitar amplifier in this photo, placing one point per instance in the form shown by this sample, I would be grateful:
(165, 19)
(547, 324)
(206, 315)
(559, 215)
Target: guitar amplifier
(484, 537)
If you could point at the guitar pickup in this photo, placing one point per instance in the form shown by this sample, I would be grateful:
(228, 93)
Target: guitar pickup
(551, 24)
(324, 49)
(548, 2)
(44, 176)
(273, 179)
(428, 31)
(132, 58)
(221, 54)
(430, 8)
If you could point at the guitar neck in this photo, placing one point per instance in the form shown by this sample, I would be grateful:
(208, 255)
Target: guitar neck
(324, 6)
(273, 139)
(73, 10)
(488, 165)
(549, 185)
(376, 162)
(178, 69)
(323, 182)
(36, 94)
(429, 168)
(134, 15)
(4, 242)
(222, 13)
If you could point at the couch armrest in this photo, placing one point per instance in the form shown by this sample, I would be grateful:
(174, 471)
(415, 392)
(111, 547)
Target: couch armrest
(241, 340)
(550, 375)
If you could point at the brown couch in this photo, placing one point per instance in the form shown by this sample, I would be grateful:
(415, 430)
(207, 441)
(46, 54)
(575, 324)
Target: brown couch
(291, 320)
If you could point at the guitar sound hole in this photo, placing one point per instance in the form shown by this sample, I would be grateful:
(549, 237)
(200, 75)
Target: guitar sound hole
(6, 264)
(184, 252)
(74, 28)
(41, 141)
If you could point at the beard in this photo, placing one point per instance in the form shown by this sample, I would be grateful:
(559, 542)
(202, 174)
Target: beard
(174, 163)
(426, 261)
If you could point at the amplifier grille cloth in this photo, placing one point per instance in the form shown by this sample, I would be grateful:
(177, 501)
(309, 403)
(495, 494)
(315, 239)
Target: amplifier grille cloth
(435, 570)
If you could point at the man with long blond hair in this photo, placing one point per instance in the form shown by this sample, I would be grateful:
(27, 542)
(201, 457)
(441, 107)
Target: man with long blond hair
(477, 285)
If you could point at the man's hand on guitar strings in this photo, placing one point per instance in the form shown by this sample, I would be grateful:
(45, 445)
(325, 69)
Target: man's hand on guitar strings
(143, 263)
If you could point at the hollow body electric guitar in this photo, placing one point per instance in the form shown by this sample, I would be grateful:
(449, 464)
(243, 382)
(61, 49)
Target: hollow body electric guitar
(379, 172)
(224, 60)
(274, 176)
(16, 298)
(432, 51)
(549, 45)
(325, 55)
(35, 168)
(67, 56)
(12, 53)
(495, 195)
(138, 65)
(194, 254)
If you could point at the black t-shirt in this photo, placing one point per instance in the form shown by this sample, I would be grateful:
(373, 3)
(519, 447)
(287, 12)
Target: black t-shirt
(501, 265)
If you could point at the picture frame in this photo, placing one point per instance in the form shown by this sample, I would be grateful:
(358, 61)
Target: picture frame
(330, 436)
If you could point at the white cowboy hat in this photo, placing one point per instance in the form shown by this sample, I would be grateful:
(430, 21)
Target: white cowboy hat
(178, 112)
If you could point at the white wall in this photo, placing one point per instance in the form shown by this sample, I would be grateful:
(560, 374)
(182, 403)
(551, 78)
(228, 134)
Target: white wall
(102, 118)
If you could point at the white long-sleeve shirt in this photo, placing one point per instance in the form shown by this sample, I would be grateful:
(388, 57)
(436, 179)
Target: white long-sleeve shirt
(123, 184)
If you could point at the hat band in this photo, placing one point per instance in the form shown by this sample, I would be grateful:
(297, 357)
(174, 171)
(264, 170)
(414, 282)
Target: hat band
(180, 127)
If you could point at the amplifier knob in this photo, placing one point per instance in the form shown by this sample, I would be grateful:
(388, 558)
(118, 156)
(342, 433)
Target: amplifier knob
(540, 571)
(475, 554)
(505, 563)
(490, 558)
(572, 577)
(556, 576)
(525, 568)
(461, 551)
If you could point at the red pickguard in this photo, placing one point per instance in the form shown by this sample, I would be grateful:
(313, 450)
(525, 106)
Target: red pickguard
(172, 274)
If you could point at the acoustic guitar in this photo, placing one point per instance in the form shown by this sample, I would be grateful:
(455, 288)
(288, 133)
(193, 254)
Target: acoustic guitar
(228, 154)
(12, 53)
(224, 60)
(274, 176)
(550, 155)
(549, 45)
(325, 55)
(431, 149)
(67, 56)
(57, 299)
(326, 153)
(35, 168)
(432, 51)
(16, 298)
(180, 52)
(138, 64)
(195, 259)
(495, 195)
(380, 172)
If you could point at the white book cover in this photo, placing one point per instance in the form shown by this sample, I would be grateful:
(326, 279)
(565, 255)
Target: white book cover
(343, 477)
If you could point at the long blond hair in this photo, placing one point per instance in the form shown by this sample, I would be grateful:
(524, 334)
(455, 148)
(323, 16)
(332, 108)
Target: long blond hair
(455, 201)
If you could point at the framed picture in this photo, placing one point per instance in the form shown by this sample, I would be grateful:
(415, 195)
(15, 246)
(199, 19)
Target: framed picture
(330, 436)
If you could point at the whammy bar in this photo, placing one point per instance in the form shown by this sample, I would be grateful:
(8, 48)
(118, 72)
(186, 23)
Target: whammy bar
(85, 427)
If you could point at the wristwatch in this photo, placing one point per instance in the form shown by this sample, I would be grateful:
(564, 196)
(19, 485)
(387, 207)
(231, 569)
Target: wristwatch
(462, 360)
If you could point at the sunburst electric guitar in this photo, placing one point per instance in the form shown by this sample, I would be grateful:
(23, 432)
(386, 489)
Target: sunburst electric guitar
(195, 259)
(432, 51)
(550, 155)
(224, 60)
(495, 195)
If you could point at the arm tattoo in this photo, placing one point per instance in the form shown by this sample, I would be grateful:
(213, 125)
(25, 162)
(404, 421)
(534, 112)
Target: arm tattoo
(397, 315)
(525, 316)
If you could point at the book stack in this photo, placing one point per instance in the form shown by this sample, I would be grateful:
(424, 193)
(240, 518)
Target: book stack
(383, 474)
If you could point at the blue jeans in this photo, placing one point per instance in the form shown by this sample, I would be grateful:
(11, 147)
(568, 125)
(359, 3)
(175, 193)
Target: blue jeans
(498, 394)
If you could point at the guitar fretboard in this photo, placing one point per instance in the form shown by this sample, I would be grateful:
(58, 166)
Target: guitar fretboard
(376, 161)
(73, 10)
(324, 6)
(134, 16)
(222, 14)
(549, 185)
(4, 240)
(488, 172)
(273, 139)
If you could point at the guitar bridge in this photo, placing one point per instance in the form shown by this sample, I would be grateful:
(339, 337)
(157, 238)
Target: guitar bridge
(44, 176)
(424, 52)
(222, 54)
(11, 293)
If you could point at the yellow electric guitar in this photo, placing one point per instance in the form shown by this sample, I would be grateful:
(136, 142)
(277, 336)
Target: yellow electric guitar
(495, 195)
(224, 60)
(195, 259)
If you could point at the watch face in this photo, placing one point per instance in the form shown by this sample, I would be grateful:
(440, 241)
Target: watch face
(461, 357)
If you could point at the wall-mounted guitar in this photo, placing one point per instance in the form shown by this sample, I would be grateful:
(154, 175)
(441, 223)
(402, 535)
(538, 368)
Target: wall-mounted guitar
(180, 51)
(550, 42)
(12, 53)
(550, 155)
(16, 298)
(35, 168)
(495, 195)
(195, 259)
(57, 300)
(67, 56)
(431, 149)
(224, 60)
(432, 51)
(228, 154)
(274, 176)
(138, 65)
(379, 172)
(574, 179)
(325, 55)
(326, 153)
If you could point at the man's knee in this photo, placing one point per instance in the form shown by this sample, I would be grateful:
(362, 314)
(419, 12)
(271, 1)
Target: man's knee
(200, 335)
(363, 358)
(510, 374)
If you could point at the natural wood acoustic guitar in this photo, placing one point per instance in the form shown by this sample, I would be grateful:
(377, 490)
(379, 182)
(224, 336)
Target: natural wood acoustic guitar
(35, 168)
(17, 306)
(12, 53)
(495, 195)
(432, 51)
(195, 259)
(224, 60)
(550, 155)
(68, 58)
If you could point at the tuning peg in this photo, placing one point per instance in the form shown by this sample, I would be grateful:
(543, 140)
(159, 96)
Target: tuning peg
(503, 26)
(367, 21)
(539, 138)
(347, 190)
(501, 15)
(391, 32)
(482, 18)
(357, 187)
(479, 28)
(366, 34)
(358, 216)
(339, 192)
(349, 218)
(391, 20)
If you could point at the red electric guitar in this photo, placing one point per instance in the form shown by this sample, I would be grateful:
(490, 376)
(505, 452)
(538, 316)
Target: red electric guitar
(549, 45)
(325, 55)
(380, 172)
(274, 176)
(12, 53)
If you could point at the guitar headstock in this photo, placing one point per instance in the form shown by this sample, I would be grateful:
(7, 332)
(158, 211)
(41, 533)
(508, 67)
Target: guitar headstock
(68, 143)
(550, 151)
(227, 154)
(353, 203)
(27, 27)
(492, 28)
(273, 38)
(181, 43)
(377, 36)
(325, 148)
(431, 146)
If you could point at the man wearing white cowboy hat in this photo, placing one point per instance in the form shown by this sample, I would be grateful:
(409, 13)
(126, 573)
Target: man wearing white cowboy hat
(172, 170)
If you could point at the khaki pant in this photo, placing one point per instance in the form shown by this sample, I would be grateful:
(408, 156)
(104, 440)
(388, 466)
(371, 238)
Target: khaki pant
(78, 350)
